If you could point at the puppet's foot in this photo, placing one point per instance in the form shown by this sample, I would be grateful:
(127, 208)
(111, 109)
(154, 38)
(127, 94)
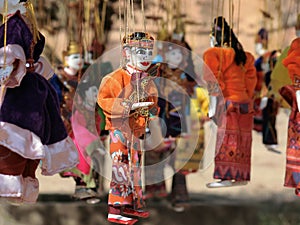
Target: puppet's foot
(114, 216)
(138, 212)
(226, 183)
(82, 192)
(180, 206)
(297, 192)
(222, 183)
(93, 200)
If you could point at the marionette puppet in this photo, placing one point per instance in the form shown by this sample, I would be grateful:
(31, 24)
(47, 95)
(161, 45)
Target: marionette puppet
(291, 93)
(262, 67)
(128, 98)
(235, 72)
(31, 126)
(270, 109)
(85, 133)
(77, 120)
(280, 75)
(175, 89)
(65, 81)
(66, 77)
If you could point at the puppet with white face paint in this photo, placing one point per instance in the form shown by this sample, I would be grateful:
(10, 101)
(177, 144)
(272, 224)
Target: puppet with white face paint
(28, 133)
(66, 79)
(128, 97)
(76, 120)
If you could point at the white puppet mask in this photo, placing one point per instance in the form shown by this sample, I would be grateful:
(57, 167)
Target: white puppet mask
(174, 57)
(259, 49)
(12, 7)
(74, 62)
(139, 58)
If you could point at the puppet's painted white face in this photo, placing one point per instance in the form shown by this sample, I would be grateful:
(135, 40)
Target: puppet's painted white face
(140, 58)
(174, 57)
(12, 6)
(91, 95)
(259, 49)
(75, 61)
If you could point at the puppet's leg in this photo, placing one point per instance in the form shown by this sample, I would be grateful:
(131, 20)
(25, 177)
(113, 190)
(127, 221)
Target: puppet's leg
(120, 194)
(136, 209)
(17, 177)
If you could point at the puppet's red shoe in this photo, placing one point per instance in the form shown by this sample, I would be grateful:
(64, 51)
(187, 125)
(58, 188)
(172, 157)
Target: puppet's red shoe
(138, 212)
(114, 218)
(297, 192)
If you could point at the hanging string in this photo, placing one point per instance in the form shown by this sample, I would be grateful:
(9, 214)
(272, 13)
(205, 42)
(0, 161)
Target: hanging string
(132, 16)
(238, 17)
(143, 14)
(230, 20)
(222, 34)
(279, 22)
(218, 8)
(212, 10)
(80, 38)
(103, 18)
(128, 16)
(222, 8)
(98, 22)
(5, 17)
(120, 32)
(127, 8)
(31, 16)
(286, 21)
(87, 15)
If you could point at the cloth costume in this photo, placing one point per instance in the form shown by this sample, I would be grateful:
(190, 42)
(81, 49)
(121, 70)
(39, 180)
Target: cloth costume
(292, 171)
(270, 111)
(259, 88)
(31, 126)
(174, 103)
(237, 83)
(77, 121)
(116, 94)
(279, 78)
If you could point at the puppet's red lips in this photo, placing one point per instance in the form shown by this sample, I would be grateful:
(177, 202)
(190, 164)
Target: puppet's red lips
(145, 63)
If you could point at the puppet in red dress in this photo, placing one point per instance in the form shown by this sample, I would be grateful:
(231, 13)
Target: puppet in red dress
(235, 72)
(291, 93)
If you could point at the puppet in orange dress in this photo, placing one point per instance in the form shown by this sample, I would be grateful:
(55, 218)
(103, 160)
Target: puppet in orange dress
(291, 93)
(235, 72)
(128, 98)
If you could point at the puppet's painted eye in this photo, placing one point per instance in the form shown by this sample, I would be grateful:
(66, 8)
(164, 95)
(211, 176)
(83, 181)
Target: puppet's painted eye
(141, 51)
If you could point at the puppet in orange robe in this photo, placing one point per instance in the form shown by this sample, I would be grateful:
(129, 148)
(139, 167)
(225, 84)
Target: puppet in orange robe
(128, 97)
(235, 72)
